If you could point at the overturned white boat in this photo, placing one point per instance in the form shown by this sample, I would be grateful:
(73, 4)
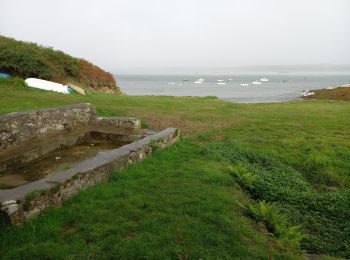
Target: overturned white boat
(47, 85)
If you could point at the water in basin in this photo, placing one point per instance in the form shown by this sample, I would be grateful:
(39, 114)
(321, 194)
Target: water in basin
(60, 159)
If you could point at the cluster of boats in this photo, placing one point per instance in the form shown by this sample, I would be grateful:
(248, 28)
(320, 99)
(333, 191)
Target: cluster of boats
(256, 82)
(222, 82)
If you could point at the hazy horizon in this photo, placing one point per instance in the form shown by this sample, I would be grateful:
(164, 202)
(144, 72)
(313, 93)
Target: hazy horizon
(248, 69)
(129, 36)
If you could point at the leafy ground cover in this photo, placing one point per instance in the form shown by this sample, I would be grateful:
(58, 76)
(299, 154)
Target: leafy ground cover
(182, 202)
(324, 217)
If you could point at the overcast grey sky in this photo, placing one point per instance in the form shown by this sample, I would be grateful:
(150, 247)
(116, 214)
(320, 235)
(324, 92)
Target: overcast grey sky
(124, 34)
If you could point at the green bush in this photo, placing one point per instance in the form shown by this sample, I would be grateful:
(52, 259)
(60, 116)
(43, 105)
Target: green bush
(31, 60)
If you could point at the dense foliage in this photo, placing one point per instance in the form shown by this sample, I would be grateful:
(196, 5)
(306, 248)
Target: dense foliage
(26, 60)
(324, 216)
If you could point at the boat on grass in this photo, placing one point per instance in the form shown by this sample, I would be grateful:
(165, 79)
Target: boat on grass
(48, 85)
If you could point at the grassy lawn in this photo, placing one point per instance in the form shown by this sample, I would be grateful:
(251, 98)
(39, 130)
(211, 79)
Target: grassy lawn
(200, 198)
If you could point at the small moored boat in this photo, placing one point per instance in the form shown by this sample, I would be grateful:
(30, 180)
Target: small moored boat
(199, 81)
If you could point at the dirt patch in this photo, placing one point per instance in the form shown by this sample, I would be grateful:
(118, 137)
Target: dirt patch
(129, 236)
(69, 230)
(187, 127)
(161, 122)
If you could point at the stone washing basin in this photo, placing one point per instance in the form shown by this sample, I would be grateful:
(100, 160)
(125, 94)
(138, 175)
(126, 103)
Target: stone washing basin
(48, 156)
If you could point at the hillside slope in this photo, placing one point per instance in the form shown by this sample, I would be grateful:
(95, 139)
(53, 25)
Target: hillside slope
(23, 59)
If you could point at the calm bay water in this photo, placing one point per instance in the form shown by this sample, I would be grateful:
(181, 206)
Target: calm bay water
(280, 87)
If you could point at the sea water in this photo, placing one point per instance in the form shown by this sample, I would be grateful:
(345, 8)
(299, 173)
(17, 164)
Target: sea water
(280, 87)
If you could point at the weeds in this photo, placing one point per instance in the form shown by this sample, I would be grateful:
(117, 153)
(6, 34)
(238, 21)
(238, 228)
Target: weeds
(276, 223)
(155, 146)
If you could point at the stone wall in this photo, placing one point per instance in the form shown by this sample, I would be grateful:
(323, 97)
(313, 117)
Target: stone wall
(16, 128)
(29, 200)
(29, 135)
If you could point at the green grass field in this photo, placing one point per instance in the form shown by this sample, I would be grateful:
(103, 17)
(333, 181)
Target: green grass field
(202, 197)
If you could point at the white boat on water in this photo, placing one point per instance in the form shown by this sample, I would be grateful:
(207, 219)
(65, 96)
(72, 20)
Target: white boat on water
(221, 83)
(244, 84)
(171, 83)
(199, 81)
(263, 79)
(256, 82)
(220, 80)
(229, 79)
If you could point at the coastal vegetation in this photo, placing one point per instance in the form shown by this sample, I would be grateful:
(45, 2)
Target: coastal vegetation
(256, 181)
(23, 59)
(339, 94)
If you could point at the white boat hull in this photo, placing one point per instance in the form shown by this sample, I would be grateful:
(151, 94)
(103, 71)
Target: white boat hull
(47, 85)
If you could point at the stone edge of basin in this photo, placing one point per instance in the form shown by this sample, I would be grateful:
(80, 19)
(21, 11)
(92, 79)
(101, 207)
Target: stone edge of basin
(27, 201)
(17, 128)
